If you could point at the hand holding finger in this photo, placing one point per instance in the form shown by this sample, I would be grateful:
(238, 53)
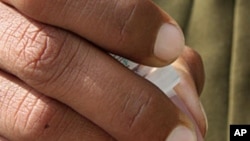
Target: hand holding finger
(67, 68)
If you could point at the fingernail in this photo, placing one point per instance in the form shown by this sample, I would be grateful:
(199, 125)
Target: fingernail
(169, 42)
(181, 133)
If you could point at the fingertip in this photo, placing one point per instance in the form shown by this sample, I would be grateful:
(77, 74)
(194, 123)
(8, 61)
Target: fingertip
(181, 133)
(169, 43)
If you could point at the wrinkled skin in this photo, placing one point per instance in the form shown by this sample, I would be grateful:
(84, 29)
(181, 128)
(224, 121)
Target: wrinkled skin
(58, 83)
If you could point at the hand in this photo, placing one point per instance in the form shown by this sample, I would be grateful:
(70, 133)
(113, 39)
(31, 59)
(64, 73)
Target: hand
(135, 29)
(68, 88)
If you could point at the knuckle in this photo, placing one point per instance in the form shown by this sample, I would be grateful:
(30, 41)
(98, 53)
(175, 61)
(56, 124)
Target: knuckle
(34, 117)
(38, 51)
(135, 108)
(30, 47)
(34, 49)
(24, 112)
(139, 109)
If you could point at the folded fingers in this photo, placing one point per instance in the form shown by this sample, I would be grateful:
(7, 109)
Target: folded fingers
(75, 72)
(27, 115)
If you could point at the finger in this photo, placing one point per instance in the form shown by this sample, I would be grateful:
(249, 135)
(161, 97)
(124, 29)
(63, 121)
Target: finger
(135, 29)
(27, 115)
(68, 69)
(3, 139)
(188, 87)
(194, 66)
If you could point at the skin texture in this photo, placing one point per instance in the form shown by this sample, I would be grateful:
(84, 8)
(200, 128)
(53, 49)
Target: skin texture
(123, 27)
(56, 85)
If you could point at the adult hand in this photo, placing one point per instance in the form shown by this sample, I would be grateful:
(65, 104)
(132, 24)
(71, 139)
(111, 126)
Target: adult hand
(135, 29)
(82, 80)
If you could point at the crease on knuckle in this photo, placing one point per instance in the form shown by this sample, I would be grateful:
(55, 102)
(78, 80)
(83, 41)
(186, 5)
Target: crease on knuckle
(136, 108)
(39, 49)
(47, 117)
(139, 113)
(29, 47)
(35, 115)
(25, 112)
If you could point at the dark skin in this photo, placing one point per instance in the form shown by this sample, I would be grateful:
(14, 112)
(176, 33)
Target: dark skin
(56, 85)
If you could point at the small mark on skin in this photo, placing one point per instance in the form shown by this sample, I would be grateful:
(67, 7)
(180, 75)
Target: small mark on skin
(46, 126)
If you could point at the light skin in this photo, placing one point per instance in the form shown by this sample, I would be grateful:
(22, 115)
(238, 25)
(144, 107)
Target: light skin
(58, 83)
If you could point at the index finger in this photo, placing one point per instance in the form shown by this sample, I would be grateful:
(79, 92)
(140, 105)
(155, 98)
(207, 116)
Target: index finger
(135, 29)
